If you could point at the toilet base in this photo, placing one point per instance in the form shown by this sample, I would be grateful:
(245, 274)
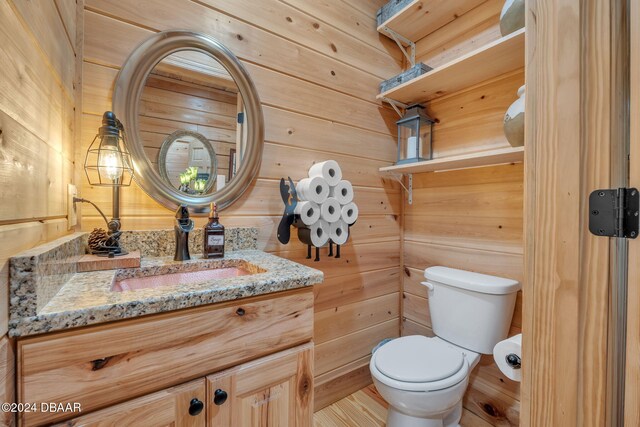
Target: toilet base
(396, 418)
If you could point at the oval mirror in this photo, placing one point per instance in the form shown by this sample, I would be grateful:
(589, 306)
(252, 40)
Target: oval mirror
(192, 119)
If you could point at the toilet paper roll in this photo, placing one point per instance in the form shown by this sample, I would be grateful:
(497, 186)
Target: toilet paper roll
(329, 170)
(309, 212)
(313, 189)
(339, 232)
(349, 213)
(330, 210)
(342, 192)
(316, 234)
(506, 351)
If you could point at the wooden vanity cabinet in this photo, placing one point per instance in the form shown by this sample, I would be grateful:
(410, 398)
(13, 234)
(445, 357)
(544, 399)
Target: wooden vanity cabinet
(276, 390)
(102, 366)
(273, 391)
(180, 406)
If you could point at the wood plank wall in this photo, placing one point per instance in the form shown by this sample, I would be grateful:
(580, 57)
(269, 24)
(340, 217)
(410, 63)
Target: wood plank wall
(316, 66)
(37, 129)
(469, 219)
(575, 106)
(168, 105)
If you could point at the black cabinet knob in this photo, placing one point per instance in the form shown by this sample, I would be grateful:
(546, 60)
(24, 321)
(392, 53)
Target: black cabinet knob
(219, 397)
(195, 406)
(240, 311)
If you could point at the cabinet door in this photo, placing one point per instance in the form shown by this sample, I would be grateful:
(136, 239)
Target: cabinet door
(180, 406)
(273, 391)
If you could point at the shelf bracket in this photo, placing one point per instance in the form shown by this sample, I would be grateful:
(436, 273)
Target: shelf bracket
(398, 177)
(397, 105)
(401, 41)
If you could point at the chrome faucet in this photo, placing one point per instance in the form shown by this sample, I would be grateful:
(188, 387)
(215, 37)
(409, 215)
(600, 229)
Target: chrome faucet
(182, 228)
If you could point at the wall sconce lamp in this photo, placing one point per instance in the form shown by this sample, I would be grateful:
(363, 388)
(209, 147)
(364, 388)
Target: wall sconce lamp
(108, 164)
(414, 135)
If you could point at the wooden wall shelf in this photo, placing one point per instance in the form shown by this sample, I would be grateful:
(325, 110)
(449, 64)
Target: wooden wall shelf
(422, 17)
(484, 158)
(499, 57)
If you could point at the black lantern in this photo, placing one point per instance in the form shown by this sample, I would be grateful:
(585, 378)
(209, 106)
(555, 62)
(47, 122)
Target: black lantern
(414, 135)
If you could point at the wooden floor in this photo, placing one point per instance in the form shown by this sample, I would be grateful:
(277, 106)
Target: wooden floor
(366, 408)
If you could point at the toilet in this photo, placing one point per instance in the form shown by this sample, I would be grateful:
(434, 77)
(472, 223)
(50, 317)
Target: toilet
(424, 379)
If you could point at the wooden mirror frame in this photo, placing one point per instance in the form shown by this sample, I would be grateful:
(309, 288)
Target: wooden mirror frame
(128, 89)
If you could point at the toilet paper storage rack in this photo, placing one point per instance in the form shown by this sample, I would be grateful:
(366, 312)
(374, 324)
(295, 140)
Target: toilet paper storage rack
(290, 218)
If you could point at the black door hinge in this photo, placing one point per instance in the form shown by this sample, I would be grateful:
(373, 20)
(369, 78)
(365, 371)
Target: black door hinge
(614, 212)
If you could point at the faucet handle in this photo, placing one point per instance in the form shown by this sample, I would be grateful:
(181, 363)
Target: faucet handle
(182, 212)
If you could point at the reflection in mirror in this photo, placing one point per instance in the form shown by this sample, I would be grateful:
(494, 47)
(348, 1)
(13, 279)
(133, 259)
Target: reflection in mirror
(187, 160)
(190, 117)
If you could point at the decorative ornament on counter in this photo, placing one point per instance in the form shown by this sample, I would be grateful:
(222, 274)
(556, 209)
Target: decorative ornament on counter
(321, 207)
(105, 243)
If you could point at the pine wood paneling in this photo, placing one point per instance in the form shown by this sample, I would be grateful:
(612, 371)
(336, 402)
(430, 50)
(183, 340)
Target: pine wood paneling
(317, 79)
(47, 27)
(335, 322)
(632, 376)
(472, 120)
(189, 106)
(248, 42)
(302, 26)
(352, 347)
(467, 32)
(351, 288)
(468, 219)
(28, 79)
(343, 380)
(37, 125)
(569, 138)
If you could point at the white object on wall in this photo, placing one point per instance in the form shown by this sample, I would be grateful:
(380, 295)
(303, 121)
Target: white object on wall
(314, 189)
(329, 170)
(509, 348)
(342, 192)
(309, 212)
(325, 205)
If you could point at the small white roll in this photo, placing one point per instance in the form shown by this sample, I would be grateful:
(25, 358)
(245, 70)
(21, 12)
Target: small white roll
(349, 213)
(309, 212)
(319, 233)
(505, 348)
(329, 170)
(313, 189)
(342, 192)
(330, 210)
(339, 232)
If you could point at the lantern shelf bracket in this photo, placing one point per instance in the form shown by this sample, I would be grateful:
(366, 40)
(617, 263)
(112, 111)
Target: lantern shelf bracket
(409, 50)
(397, 105)
(408, 188)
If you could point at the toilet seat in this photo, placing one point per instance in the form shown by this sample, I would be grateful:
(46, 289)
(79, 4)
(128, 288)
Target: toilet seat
(418, 363)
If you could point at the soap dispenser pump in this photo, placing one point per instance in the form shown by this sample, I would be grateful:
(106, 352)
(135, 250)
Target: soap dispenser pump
(213, 246)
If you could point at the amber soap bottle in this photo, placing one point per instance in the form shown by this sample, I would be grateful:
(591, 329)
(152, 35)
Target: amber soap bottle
(213, 235)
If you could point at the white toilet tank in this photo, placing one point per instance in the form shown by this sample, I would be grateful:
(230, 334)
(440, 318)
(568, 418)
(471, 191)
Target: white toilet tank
(470, 310)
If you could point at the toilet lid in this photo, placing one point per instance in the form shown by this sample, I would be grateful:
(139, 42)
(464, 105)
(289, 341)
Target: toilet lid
(418, 359)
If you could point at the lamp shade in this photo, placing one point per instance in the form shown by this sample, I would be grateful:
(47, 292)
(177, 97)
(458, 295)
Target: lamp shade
(108, 163)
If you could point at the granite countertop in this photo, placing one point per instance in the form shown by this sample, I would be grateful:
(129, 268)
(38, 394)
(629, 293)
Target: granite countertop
(88, 299)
